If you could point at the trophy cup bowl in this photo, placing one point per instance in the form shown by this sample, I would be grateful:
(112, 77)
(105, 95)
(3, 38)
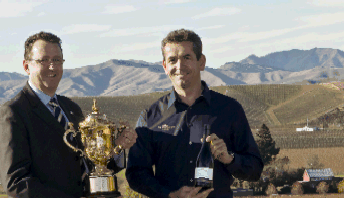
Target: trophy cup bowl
(98, 135)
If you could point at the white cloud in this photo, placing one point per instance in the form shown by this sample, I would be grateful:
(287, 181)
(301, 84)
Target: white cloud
(327, 3)
(211, 27)
(218, 12)
(138, 46)
(322, 19)
(313, 38)
(139, 30)
(16, 9)
(41, 14)
(78, 28)
(309, 22)
(305, 41)
(246, 37)
(173, 1)
(221, 49)
(117, 9)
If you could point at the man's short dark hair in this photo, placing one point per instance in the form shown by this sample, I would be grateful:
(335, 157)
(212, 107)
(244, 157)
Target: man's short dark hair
(45, 36)
(181, 35)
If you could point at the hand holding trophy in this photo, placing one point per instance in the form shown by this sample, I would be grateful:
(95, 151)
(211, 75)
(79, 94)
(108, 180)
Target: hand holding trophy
(126, 138)
(101, 140)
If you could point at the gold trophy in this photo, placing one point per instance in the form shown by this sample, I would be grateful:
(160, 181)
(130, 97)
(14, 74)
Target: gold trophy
(98, 135)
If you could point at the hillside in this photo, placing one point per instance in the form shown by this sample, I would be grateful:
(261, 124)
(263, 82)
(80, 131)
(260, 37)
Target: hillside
(298, 60)
(255, 100)
(311, 104)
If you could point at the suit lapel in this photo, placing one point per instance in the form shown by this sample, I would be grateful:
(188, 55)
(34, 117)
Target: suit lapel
(41, 110)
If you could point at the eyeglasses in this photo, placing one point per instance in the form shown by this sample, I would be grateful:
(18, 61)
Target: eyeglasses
(46, 61)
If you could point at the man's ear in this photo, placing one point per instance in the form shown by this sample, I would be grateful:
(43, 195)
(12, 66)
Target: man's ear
(26, 67)
(202, 61)
(164, 65)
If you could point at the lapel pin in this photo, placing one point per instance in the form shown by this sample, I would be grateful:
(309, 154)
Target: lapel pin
(71, 112)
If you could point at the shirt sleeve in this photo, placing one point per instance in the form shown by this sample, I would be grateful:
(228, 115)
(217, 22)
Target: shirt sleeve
(247, 164)
(139, 173)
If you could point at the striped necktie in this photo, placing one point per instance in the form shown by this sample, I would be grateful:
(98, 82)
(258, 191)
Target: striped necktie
(58, 113)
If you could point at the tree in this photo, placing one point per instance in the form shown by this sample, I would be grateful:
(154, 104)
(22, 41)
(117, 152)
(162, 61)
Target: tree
(271, 189)
(297, 189)
(322, 188)
(341, 187)
(314, 163)
(266, 145)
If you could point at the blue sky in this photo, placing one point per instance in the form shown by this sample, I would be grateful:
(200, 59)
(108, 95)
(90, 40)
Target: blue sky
(96, 31)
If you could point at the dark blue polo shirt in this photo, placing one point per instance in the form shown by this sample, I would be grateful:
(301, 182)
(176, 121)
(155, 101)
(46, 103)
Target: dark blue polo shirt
(169, 134)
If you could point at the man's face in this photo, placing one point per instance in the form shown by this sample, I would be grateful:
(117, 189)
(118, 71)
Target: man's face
(181, 64)
(45, 77)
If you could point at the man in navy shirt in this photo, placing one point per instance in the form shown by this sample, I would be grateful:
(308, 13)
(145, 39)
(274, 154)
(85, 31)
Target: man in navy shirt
(170, 131)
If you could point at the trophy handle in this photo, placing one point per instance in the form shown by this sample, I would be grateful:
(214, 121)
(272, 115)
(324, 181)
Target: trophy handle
(72, 130)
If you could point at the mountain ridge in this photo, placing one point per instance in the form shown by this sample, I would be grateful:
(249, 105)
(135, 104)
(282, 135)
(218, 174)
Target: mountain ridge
(118, 77)
(299, 60)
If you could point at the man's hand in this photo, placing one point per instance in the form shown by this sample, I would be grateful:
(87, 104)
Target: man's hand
(219, 149)
(127, 138)
(190, 192)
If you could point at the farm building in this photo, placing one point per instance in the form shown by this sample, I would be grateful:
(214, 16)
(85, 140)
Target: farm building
(306, 128)
(318, 174)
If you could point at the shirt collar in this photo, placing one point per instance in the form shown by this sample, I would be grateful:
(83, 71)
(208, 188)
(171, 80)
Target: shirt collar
(205, 93)
(42, 96)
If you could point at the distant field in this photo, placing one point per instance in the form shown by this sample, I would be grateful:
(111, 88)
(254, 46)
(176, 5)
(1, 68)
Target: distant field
(311, 104)
(287, 138)
(255, 99)
(270, 94)
(330, 157)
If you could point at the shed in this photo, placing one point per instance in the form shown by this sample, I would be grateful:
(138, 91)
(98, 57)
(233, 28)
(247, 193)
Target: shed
(306, 128)
(318, 174)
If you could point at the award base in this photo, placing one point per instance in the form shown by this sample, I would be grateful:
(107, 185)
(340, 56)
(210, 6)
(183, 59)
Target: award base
(113, 195)
(102, 186)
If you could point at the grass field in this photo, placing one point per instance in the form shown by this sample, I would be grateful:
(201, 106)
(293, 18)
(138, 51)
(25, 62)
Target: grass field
(311, 104)
(330, 157)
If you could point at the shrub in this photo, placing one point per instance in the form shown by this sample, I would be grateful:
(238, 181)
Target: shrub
(322, 188)
(341, 187)
(246, 185)
(297, 189)
(271, 189)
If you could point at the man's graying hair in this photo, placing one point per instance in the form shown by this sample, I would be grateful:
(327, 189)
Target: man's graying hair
(181, 35)
(45, 36)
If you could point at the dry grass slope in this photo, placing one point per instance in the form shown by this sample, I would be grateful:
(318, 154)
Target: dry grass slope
(311, 104)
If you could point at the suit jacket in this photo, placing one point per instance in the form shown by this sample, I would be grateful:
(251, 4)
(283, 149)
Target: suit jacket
(35, 161)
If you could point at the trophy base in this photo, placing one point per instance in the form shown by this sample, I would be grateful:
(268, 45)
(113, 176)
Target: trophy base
(112, 195)
(102, 186)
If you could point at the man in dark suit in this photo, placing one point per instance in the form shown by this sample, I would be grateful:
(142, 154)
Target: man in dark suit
(35, 161)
